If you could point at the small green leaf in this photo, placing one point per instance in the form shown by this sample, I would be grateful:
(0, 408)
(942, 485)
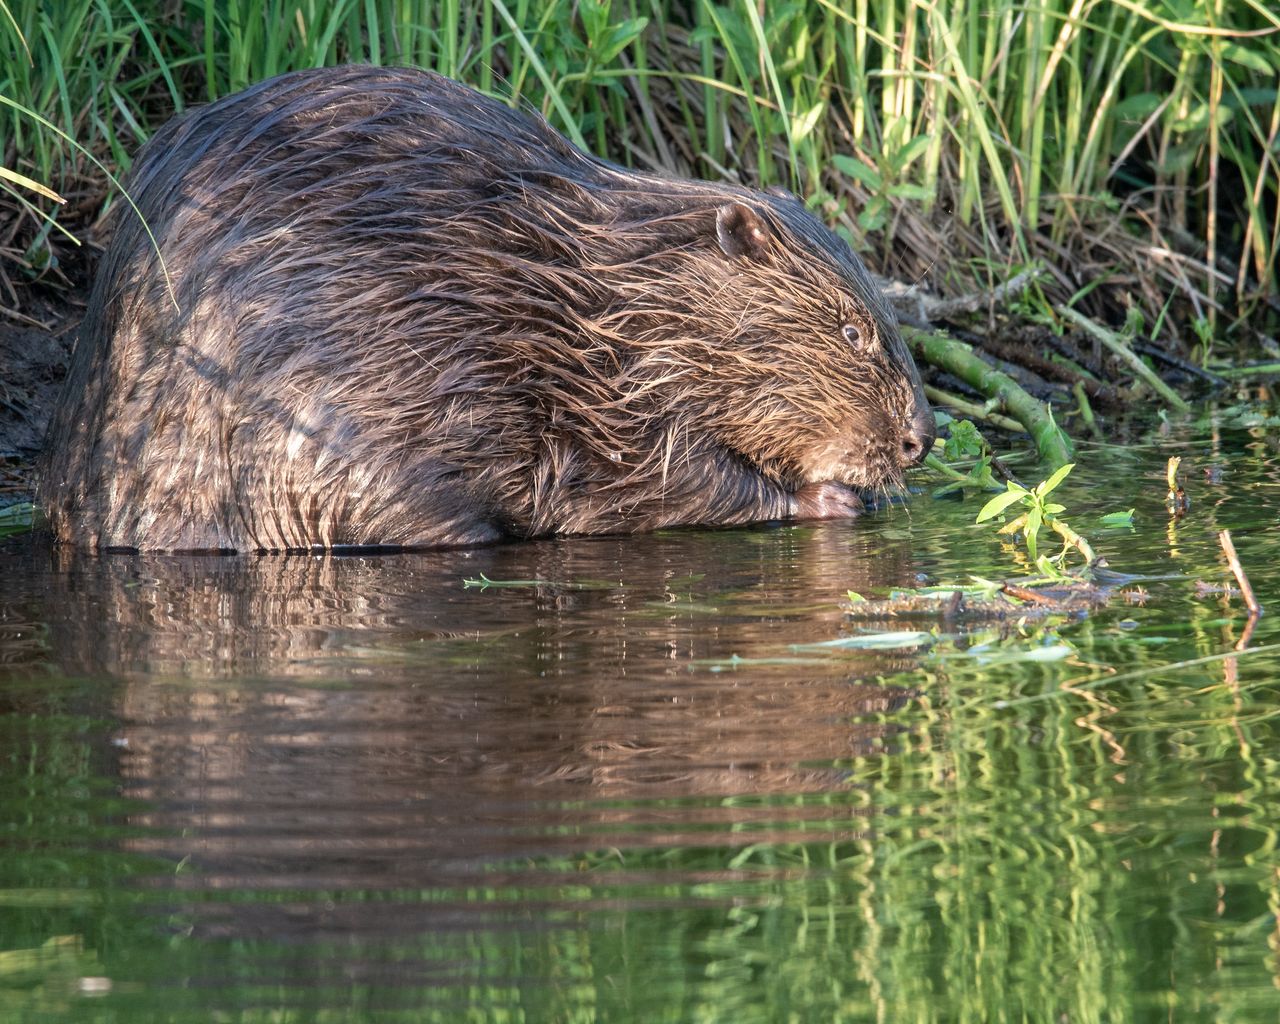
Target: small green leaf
(875, 215)
(619, 38)
(1117, 518)
(1136, 108)
(856, 598)
(1255, 60)
(1045, 486)
(1046, 567)
(910, 190)
(963, 439)
(1032, 530)
(907, 154)
(857, 170)
(1000, 502)
(801, 126)
(1198, 118)
(1053, 510)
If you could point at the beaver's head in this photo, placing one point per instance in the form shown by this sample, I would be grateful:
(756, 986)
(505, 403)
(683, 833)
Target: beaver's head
(782, 346)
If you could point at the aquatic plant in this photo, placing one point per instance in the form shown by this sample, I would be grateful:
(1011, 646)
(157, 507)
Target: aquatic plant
(1039, 513)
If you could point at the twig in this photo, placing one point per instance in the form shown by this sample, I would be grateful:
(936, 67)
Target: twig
(1028, 594)
(958, 359)
(1229, 549)
(1149, 348)
(938, 466)
(943, 309)
(1113, 342)
(22, 318)
(934, 463)
(971, 409)
(1254, 370)
(1074, 539)
(1052, 370)
(1246, 635)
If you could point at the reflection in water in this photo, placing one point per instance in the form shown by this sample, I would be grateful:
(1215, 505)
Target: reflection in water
(370, 722)
(355, 789)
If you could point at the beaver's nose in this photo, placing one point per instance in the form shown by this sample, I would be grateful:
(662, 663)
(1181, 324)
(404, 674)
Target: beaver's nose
(917, 439)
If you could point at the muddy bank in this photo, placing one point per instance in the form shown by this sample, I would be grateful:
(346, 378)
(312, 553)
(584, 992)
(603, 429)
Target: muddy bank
(38, 324)
(33, 361)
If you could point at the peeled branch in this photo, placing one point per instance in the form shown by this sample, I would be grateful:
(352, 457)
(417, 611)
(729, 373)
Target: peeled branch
(959, 360)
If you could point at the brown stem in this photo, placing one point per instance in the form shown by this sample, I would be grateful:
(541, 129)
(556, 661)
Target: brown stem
(1229, 548)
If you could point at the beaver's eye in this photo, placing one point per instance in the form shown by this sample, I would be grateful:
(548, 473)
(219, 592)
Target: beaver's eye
(853, 335)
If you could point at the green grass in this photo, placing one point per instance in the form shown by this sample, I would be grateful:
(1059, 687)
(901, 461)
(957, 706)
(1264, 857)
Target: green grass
(1129, 146)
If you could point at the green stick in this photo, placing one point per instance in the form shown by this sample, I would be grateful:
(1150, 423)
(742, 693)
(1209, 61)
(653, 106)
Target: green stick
(1116, 344)
(959, 359)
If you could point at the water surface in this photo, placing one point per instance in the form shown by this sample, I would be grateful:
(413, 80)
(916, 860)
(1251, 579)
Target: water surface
(648, 787)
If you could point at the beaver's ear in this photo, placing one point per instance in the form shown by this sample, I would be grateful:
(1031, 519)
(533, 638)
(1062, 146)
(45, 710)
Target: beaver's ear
(741, 231)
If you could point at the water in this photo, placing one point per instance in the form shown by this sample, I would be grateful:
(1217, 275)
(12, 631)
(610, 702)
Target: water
(320, 789)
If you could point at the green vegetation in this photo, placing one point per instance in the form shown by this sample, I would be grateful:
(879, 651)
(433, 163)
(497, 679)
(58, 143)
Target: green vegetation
(1131, 147)
(1039, 512)
(962, 447)
(965, 445)
(996, 386)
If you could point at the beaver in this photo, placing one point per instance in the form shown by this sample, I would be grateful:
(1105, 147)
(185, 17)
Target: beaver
(372, 307)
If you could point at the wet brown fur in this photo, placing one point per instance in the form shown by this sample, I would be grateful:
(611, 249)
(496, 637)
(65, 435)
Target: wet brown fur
(407, 315)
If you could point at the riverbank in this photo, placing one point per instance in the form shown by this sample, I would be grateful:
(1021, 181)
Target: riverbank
(1086, 199)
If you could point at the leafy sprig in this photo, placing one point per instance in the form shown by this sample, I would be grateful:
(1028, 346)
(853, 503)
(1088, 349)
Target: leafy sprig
(1038, 514)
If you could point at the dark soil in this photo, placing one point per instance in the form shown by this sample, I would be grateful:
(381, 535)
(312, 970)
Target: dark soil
(36, 337)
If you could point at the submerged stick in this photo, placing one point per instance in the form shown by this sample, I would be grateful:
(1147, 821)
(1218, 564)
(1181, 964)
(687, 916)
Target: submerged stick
(938, 466)
(1116, 345)
(1086, 410)
(959, 360)
(1229, 549)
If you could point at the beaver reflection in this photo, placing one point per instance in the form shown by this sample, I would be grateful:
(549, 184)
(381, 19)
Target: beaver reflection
(348, 721)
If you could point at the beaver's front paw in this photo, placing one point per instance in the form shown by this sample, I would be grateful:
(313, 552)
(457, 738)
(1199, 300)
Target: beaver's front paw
(826, 500)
